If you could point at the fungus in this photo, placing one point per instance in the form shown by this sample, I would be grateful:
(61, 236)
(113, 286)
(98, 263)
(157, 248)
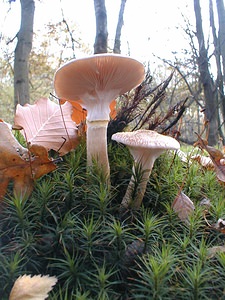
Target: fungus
(94, 82)
(145, 146)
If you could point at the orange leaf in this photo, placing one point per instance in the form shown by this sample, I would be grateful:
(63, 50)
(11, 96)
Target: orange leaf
(113, 109)
(79, 114)
(20, 165)
(183, 206)
(48, 124)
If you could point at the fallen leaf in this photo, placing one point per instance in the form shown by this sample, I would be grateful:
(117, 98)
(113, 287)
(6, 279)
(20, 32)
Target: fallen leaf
(219, 225)
(48, 124)
(214, 153)
(183, 206)
(204, 161)
(32, 288)
(216, 156)
(212, 251)
(113, 111)
(20, 165)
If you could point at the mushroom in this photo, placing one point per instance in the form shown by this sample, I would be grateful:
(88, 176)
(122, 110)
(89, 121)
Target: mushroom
(94, 82)
(145, 146)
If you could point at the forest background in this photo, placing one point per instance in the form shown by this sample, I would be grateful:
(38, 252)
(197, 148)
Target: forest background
(192, 49)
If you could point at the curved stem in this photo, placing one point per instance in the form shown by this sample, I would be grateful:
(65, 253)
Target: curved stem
(145, 159)
(134, 201)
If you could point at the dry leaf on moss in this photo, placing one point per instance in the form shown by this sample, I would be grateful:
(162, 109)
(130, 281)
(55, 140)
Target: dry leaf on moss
(48, 124)
(204, 161)
(32, 288)
(219, 226)
(20, 165)
(216, 156)
(183, 206)
(213, 251)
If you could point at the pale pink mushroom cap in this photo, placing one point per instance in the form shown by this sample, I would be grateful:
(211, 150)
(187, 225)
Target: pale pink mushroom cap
(97, 80)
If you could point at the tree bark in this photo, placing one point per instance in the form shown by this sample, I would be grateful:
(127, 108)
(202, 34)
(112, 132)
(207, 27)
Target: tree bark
(221, 35)
(22, 52)
(117, 42)
(219, 79)
(211, 107)
(101, 38)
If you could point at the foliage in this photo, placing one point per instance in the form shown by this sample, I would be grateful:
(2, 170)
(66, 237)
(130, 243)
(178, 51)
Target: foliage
(21, 165)
(47, 124)
(43, 126)
(71, 228)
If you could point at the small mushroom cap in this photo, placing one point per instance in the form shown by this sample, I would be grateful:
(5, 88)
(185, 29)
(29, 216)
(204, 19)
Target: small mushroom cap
(146, 139)
(101, 72)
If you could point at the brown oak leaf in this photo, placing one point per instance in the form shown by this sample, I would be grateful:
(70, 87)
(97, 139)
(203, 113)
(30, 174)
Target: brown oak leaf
(20, 165)
(48, 124)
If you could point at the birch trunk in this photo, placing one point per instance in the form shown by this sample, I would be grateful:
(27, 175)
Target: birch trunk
(22, 52)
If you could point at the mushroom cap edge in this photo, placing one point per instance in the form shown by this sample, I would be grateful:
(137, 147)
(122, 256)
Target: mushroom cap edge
(146, 139)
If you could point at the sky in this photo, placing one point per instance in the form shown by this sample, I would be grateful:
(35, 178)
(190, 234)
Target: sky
(151, 27)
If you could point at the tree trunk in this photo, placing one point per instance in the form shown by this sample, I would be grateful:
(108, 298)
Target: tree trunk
(219, 79)
(22, 52)
(117, 42)
(221, 17)
(211, 108)
(101, 38)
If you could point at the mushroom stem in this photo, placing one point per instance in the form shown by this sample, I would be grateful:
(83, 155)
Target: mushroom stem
(146, 162)
(128, 201)
(97, 145)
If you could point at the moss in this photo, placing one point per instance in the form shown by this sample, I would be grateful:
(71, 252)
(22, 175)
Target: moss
(71, 227)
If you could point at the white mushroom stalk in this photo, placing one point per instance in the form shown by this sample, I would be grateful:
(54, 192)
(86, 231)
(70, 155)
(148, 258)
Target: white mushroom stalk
(94, 82)
(145, 146)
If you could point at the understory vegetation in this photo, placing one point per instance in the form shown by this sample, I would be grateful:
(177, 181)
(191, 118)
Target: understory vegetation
(71, 227)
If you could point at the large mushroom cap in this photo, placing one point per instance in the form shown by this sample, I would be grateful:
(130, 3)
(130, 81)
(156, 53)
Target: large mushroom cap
(101, 72)
(146, 139)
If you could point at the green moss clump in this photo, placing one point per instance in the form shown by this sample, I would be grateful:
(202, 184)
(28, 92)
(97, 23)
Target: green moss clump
(71, 227)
